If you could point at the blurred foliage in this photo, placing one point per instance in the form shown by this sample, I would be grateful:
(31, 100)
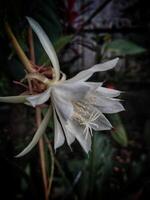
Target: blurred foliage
(121, 47)
(118, 133)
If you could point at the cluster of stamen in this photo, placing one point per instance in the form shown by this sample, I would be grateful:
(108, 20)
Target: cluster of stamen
(84, 116)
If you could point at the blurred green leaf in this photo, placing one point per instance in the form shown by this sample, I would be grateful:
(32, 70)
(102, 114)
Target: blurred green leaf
(97, 167)
(121, 47)
(62, 42)
(119, 134)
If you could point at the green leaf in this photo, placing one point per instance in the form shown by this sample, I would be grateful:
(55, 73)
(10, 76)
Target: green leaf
(119, 134)
(99, 165)
(121, 47)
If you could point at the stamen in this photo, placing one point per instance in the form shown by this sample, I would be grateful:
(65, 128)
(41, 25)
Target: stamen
(82, 114)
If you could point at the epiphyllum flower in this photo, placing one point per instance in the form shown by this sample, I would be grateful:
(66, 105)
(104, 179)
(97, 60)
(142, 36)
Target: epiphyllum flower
(77, 105)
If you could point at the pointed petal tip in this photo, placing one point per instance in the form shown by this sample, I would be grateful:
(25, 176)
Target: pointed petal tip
(86, 74)
(19, 155)
(40, 131)
(30, 19)
(46, 43)
(117, 59)
(87, 151)
(114, 61)
(123, 109)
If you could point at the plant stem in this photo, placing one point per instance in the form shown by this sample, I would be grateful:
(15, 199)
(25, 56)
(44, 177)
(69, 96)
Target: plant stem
(52, 165)
(91, 171)
(42, 153)
(38, 122)
(31, 45)
(19, 50)
(67, 182)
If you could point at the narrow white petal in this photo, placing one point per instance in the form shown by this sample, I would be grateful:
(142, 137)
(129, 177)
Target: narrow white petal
(37, 135)
(77, 131)
(13, 99)
(39, 98)
(108, 92)
(69, 137)
(47, 45)
(63, 105)
(115, 108)
(86, 74)
(59, 138)
(105, 104)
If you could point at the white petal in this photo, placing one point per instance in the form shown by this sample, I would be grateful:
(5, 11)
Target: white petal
(86, 74)
(13, 99)
(39, 98)
(59, 138)
(47, 45)
(108, 92)
(74, 91)
(102, 124)
(115, 108)
(70, 138)
(37, 135)
(105, 104)
(94, 85)
(62, 105)
(77, 131)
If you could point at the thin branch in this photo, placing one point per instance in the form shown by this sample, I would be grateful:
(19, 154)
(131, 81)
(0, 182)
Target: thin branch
(38, 122)
(19, 50)
(52, 165)
(31, 45)
(42, 153)
(62, 173)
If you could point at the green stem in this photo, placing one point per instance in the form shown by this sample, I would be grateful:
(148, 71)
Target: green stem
(92, 174)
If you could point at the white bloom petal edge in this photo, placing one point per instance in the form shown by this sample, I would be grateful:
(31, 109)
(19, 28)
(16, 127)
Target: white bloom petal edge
(47, 45)
(69, 138)
(86, 74)
(37, 135)
(59, 138)
(78, 132)
(39, 98)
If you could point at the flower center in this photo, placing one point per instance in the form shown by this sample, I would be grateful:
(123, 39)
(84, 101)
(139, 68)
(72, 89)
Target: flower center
(84, 116)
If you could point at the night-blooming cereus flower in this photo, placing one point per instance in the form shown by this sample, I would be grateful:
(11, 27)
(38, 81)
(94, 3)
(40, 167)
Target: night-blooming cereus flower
(77, 105)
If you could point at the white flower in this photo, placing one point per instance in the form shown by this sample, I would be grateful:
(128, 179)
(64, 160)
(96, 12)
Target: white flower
(78, 106)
